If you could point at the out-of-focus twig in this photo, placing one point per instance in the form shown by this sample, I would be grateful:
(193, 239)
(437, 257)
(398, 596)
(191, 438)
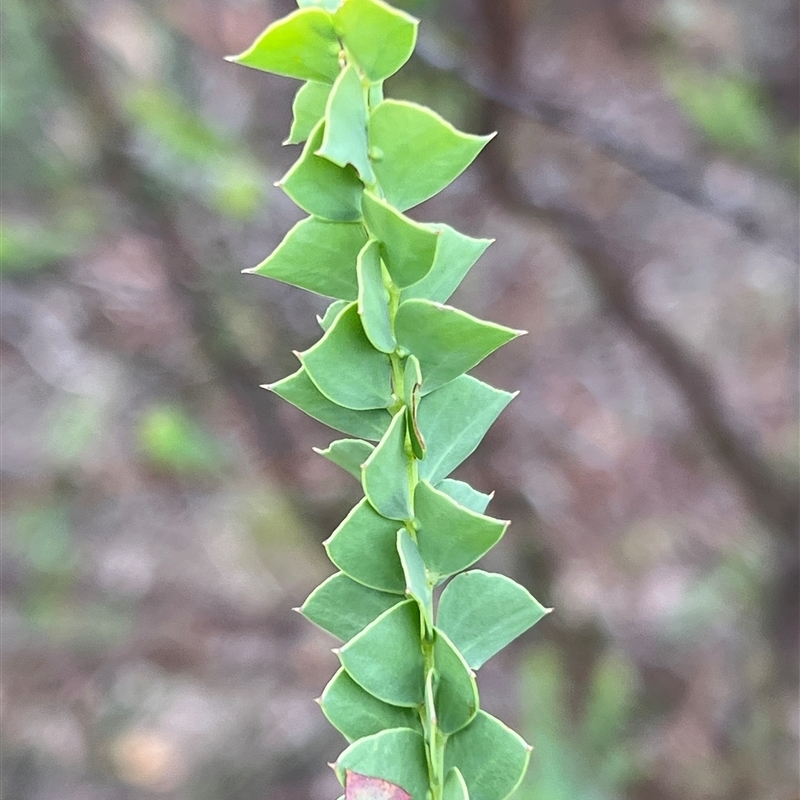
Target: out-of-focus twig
(684, 179)
(774, 497)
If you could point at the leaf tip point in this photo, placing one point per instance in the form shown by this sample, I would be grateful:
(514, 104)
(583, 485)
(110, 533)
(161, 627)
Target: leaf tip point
(267, 386)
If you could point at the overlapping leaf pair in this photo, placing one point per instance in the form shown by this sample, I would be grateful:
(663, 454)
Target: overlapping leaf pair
(390, 369)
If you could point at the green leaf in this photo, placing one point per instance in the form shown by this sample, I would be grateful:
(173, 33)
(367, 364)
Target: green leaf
(453, 421)
(412, 379)
(481, 612)
(396, 755)
(364, 546)
(408, 248)
(346, 368)
(385, 659)
(465, 495)
(308, 109)
(343, 607)
(373, 299)
(322, 188)
(385, 473)
(455, 256)
(456, 690)
(333, 311)
(318, 256)
(328, 5)
(299, 390)
(356, 713)
(448, 342)
(407, 135)
(491, 757)
(455, 788)
(380, 38)
(302, 45)
(346, 115)
(417, 585)
(349, 454)
(451, 537)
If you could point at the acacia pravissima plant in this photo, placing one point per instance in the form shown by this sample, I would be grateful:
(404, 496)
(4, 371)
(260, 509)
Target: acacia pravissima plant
(390, 369)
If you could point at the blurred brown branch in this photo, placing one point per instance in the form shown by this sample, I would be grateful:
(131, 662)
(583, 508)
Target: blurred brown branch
(683, 179)
(774, 497)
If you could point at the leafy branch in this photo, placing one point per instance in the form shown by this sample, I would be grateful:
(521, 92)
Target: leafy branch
(390, 368)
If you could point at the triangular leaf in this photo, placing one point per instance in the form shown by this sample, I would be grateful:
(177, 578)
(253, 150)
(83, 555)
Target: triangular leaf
(456, 690)
(491, 757)
(346, 368)
(343, 607)
(455, 255)
(396, 755)
(331, 312)
(349, 454)
(345, 140)
(455, 788)
(451, 537)
(417, 585)
(302, 45)
(453, 421)
(356, 713)
(299, 390)
(385, 473)
(385, 659)
(308, 109)
(364, 546)
(465, 495)
(321, 187)
(318, 256)
(448, 342)
(481, 612)
(362, 787)
(380, 38)
(408, 247)
(406, 134)
(373, 299)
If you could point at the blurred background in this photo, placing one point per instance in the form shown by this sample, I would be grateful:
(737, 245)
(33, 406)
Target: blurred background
(161, 514)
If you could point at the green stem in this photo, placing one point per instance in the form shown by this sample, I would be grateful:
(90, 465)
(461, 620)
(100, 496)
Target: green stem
(434, 738)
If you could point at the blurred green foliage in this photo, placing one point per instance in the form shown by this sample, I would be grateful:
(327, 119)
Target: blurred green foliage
(733, 113)
(74, 427)
(583, 754)
(42, 539)
(728, 109)
(184, 147)
(172, 441)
